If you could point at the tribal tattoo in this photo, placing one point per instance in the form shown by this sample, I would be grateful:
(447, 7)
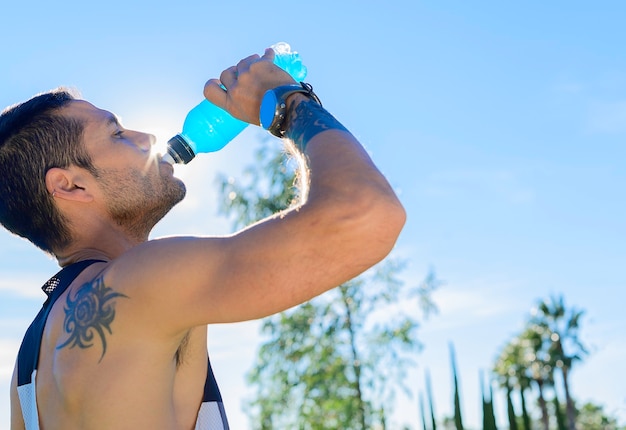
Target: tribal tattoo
(307, 119)
(91, 311)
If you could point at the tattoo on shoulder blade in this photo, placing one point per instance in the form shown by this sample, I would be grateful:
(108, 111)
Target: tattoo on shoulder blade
(89, 313)
(308, 118)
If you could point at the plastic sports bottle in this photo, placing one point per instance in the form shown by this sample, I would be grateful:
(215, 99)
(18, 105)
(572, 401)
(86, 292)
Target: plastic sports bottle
(208, 128)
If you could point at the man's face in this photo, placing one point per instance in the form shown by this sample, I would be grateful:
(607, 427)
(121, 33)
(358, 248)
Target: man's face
(136, 187)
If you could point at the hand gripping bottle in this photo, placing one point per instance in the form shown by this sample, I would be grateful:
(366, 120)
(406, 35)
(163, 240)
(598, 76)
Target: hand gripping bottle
(208, 128)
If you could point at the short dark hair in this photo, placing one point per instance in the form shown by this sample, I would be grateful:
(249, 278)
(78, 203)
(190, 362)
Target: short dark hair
(35, 137)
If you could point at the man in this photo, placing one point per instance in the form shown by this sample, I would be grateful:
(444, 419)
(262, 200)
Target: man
(122, 340)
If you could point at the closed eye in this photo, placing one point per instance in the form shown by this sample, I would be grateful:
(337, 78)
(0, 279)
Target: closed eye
(112, 121)
(119, 134)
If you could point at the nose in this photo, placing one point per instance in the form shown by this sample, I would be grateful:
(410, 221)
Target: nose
(145, 141)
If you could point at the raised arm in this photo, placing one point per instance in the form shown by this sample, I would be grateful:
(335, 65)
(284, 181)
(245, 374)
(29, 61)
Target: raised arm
(348, 221)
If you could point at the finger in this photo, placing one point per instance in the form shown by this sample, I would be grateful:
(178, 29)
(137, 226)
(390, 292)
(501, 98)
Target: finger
(215, 92)
(244, 64)
(229, 76)
(269, 54)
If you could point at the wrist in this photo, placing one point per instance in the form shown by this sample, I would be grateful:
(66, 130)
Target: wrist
(292, 101)
(279, 101)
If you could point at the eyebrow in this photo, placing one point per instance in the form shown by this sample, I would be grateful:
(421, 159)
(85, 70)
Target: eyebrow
(112, 119)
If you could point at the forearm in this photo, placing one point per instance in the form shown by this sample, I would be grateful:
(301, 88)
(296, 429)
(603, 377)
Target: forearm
(341, 173)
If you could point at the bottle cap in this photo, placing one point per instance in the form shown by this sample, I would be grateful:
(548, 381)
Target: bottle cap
(179, 150)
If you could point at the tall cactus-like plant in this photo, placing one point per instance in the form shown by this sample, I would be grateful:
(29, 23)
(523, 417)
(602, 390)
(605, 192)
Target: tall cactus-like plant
(431, 403)
(422, 414)
(489, 418)
(458, 418)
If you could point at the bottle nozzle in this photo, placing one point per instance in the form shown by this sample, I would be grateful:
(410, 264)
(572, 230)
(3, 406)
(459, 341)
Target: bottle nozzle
(168, 158)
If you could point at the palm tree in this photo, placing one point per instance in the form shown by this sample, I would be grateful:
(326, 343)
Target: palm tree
(539, 366)
(512, 371)
(560, 328)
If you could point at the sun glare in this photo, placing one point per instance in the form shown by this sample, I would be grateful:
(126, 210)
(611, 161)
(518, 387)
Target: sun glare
(160, 147)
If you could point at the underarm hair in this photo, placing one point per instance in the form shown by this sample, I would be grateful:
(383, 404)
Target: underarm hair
(307, 119)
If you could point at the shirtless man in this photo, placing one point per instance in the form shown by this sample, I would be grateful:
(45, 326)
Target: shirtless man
(124, 345)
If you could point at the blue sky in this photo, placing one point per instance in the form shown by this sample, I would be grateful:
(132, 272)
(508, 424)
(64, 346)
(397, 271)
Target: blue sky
(501, 125)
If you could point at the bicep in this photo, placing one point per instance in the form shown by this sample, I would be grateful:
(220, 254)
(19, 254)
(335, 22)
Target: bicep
(279, 264)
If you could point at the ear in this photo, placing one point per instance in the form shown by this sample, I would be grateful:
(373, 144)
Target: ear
(67, 184)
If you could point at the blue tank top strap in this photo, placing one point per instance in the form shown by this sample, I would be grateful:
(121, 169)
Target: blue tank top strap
(211, 390)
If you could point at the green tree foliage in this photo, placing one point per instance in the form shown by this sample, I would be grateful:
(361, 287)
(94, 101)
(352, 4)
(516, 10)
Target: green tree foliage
(271, 185)
(593, 417)
(337, 360)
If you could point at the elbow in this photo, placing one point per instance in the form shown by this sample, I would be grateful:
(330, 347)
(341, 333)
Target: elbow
(376, 224)
(397, 215)
(386, 221)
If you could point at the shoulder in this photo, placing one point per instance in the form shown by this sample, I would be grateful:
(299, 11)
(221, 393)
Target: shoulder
(154, 281)
(163, 262)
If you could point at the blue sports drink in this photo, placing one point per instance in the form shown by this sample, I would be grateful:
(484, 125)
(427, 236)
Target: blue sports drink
(208, 128)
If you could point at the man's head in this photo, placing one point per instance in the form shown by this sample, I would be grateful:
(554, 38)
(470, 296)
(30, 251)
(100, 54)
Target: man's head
(54, 144)
(128, 180)
(34, 137)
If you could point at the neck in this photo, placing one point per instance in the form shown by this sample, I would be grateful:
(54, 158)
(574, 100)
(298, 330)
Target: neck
(100, 238)
(65, 259)
(101, 247)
